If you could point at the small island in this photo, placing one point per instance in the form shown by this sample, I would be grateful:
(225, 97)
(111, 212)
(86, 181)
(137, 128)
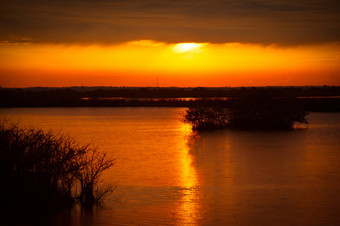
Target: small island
(259, 112)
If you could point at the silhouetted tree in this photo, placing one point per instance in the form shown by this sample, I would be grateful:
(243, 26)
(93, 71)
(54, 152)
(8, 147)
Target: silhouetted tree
(251, 112)
(265, 112)
(206, 118)
(93, 164)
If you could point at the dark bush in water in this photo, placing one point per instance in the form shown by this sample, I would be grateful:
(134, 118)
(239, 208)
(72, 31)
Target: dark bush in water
(248, 113)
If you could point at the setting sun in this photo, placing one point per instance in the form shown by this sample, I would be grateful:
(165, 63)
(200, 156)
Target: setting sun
(187, 47)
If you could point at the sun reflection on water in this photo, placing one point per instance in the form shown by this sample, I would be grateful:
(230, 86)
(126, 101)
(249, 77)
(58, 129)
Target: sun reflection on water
(188, 209)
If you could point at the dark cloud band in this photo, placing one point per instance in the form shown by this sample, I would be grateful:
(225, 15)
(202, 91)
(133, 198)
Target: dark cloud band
(253, 21)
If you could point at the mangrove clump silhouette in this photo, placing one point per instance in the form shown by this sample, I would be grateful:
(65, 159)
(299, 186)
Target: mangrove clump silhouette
(44, 170)
(259, 112)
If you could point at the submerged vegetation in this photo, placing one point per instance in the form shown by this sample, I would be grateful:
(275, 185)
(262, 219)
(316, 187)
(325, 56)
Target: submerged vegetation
(47, 171)
(206, 118)
(252, 112)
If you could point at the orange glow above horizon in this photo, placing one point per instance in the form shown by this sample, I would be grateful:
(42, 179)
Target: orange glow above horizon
(136, 63)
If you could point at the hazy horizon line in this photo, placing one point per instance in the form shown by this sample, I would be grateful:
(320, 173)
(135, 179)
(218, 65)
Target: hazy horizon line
(160, 87)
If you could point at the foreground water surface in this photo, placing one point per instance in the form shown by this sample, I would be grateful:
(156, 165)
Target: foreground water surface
(166, 175)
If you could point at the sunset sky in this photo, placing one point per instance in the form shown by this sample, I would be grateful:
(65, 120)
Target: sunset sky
(182, 43)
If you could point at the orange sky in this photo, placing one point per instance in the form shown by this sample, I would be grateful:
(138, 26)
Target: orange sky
(139, 63)
(182, 43)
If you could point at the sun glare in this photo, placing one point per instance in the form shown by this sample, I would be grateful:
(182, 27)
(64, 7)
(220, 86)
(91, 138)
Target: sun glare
(186, 47)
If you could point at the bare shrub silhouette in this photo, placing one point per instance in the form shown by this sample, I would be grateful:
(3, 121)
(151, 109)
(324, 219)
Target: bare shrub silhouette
(93, 163)
(42, 169)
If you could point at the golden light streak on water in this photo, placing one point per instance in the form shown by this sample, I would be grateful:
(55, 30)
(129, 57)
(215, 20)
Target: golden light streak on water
(188, 209)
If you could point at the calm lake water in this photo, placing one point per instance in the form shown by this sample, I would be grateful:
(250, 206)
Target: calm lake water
(168, 176)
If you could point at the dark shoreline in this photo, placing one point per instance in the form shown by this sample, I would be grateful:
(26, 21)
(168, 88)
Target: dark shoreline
(310, 98)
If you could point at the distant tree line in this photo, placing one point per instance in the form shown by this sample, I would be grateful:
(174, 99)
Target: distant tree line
(74, 96)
